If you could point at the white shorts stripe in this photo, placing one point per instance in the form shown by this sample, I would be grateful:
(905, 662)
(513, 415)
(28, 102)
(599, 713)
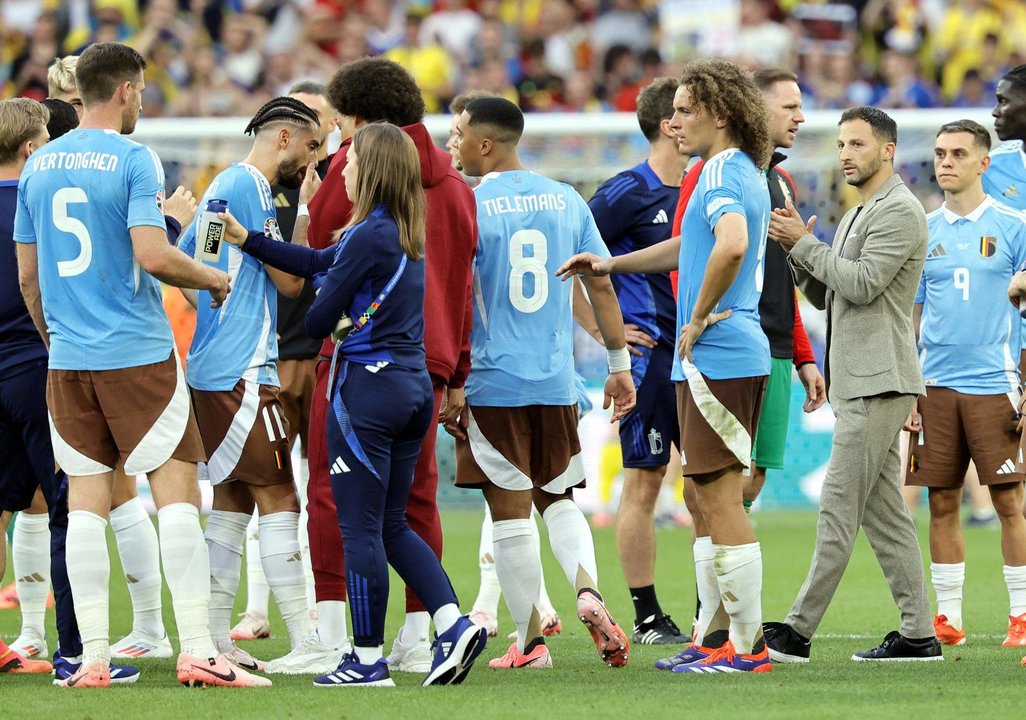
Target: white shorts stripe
(223, 460)
(500, 471)
(722, 421)
(571, 477)
(267, 426)
(161, 440)
(71, 460)
(281, 425)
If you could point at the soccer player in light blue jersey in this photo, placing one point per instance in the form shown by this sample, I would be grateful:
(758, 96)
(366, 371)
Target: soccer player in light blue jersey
(722, 358)
(1005, 179)
(969, 343)
(92, 247)
(520, 443)
(232, 373)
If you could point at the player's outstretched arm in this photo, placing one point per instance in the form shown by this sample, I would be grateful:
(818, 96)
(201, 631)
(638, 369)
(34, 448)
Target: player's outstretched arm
(619, 388)
(661, 257)
(170, 265)
(301, 261)
(28, 280)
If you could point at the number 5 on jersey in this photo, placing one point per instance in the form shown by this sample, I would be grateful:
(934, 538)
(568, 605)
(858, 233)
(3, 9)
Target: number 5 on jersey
(62, 221)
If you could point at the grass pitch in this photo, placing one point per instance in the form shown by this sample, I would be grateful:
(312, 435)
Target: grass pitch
(981, 679)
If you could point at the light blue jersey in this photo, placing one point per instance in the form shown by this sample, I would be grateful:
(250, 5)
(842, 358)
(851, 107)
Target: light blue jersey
(969, 332)
(78, 198)
(736, 347)
(1005, 179)
(522, 342)
(237, 340)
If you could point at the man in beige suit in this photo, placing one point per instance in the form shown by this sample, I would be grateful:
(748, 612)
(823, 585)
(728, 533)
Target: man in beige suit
(867, 284)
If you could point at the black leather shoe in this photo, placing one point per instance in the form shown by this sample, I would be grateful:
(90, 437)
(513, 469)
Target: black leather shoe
(785, 644)
(898, 648)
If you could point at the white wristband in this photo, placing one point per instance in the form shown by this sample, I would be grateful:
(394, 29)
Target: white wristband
(618, 360)
(303, 211)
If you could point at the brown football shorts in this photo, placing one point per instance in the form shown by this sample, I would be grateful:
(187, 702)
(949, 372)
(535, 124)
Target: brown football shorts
(245, 434)
(521, 448)
(718, 419)
(957, 428)
(138, 415)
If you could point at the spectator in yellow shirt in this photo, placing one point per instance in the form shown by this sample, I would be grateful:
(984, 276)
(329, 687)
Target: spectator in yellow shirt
(429, 63)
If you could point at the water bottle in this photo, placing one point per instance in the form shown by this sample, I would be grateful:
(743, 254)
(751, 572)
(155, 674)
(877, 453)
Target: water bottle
(210, 231)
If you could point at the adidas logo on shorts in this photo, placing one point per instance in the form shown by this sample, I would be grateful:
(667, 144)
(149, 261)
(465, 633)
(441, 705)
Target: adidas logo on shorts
(1007, 468)
(338, 467)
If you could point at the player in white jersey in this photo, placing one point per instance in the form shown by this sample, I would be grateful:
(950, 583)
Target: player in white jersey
(521, 443)
(233, 376)
(93, 246)
(969, 342)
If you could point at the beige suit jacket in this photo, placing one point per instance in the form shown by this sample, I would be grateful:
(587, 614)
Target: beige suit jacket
(867, 284)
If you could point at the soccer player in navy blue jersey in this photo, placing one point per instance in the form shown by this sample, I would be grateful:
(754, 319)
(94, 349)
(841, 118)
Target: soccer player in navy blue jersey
(374, 276)
(633, 210)
(24, 431)
(722, 357)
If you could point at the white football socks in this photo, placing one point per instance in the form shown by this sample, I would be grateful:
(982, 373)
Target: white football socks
(1015, 579)
(89, 576)
(224, 534)
(187, 571)
(544, 601)
(257, 590)
(948, 579)
(489, 592)
(369, 655)
(331, 623)
(302, 469)
(283, 568)
(739, 573)
(30, 550)
(446, 616)
(518, 570)
(139, 550)
(416, 627)
(708, 585)
(572, 544)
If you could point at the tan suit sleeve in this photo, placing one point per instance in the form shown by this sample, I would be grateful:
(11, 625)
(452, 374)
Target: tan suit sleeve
(887, 246)
(813, 290)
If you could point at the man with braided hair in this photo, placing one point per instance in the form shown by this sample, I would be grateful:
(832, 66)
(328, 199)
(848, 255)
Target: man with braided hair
(366, 91)
(232, 373)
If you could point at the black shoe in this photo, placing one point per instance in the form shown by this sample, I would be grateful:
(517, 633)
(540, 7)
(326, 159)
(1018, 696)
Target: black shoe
(785, 644)
(658, 630)
(898, 648)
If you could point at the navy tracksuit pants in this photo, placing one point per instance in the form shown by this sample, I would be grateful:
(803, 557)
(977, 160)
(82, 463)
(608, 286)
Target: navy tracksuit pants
(377, 419)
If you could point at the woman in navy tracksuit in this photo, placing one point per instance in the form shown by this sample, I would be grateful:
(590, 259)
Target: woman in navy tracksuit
(381, 403)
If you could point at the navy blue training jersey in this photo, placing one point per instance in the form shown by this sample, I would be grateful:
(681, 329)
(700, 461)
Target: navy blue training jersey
(20, 344)
(358, 268)
(633, 211)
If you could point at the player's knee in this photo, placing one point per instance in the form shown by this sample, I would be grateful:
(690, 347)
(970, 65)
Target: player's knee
(945, 503)
(1008, 501)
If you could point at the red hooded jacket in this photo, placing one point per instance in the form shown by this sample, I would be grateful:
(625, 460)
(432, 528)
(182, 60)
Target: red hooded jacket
(450, 247)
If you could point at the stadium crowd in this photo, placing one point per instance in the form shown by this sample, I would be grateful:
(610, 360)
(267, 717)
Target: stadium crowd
(404, 339)
(228, 57)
